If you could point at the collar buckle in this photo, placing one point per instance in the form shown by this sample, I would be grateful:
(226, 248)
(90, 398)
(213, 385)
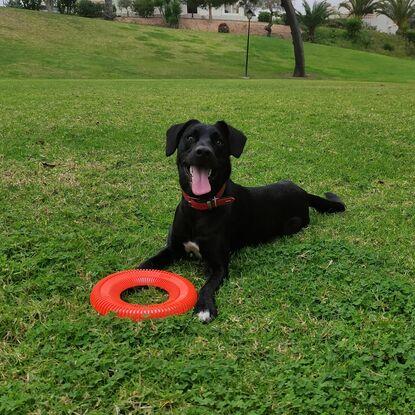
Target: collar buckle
(212, 203)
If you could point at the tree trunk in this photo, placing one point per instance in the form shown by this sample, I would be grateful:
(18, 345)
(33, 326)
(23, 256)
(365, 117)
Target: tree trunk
(210, 12)
(299, 69)
(311, 34)
(49, 5)
(108, 13)
(268, 28)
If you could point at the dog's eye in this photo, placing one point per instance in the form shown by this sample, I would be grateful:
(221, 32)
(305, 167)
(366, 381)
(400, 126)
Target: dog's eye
(190, 138)
(218, 142)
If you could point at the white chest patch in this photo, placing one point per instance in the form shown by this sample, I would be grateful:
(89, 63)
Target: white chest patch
(192, 248)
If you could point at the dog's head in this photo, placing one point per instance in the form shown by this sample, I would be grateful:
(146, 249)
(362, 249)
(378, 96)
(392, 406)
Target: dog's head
(203, 154)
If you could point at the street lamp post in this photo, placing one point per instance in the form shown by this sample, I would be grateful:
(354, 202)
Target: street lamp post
(249, 14)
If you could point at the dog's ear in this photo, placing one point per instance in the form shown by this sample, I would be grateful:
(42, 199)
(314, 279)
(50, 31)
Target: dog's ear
(237, 139)
(173, 135)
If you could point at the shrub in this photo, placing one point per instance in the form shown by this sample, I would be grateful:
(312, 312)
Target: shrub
(284, 19)
(264, 17)
(388, 46)
(223, 28)
(125, 4)
(172, 11)
(66, 6)
(86, 8)
(365, 39)
(144, 8)
(410, 36)
(353, 27)
(339, 23)
(16, 4)
(26, 4)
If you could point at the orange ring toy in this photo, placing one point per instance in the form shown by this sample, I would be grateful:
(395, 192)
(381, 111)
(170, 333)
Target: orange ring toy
(106, 295)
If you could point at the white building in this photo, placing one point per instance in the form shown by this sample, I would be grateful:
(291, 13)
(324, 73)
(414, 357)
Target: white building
(381, 22)
(227, 12)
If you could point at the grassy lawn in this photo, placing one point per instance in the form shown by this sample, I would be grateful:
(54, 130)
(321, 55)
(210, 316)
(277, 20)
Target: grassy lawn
(322, 322)
(42, 45)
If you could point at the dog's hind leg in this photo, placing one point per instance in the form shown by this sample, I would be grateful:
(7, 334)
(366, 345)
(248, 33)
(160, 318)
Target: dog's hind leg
(295, 224)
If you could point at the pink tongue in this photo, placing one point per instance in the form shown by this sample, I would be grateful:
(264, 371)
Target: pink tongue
(200, 180)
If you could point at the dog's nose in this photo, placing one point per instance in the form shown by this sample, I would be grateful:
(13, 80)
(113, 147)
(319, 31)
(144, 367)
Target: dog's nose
(203, 151)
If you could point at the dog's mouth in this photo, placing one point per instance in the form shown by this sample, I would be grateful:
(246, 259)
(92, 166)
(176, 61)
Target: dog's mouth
(199, 179)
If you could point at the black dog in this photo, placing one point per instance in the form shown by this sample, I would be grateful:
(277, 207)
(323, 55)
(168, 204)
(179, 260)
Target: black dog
(216, 216)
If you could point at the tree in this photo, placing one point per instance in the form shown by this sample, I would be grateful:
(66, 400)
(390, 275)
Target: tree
(213, 4)
(108, 13)
(400, 11)
(144, 8)
(125, 4)
(66, 6)
(290, 16)
(273, 6)
(299, 68)
(360, 8)
(31, 4)
(170, 10)
(49, 5)
(314, 16)
(193, 5)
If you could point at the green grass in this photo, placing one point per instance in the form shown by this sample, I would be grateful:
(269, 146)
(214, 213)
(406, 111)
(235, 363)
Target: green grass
(42, 45)
(321, 322)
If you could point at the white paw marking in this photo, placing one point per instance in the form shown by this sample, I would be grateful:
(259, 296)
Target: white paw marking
(204, 316)
(192, 248)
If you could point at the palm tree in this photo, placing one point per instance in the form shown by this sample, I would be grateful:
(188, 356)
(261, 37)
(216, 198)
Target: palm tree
(360, 8)
(314, 16)
(400, 11)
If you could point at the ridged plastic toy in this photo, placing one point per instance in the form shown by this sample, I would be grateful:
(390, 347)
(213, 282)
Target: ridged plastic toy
(106, 294)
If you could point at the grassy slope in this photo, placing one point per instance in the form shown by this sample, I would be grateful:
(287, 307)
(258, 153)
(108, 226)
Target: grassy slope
(42, 45)
(316, 323)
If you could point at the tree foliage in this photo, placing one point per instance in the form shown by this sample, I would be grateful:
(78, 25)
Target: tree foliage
(360, 8)
(354, 26)
(170, 11)
(25, 4)
(66, 6)
(214, 4)
(144, 8)
(125, 4)
(314, 16)
(88, 8)
(399, 11)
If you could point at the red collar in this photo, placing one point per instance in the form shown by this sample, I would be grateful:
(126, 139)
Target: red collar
(217, 200)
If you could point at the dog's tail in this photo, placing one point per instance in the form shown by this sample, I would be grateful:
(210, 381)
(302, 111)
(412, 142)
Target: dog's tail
(331, 204)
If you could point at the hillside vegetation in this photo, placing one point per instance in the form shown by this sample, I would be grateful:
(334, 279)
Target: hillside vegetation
(367, 40)
(42, 45)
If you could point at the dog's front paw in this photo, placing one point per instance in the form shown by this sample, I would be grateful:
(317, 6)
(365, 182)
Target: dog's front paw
(205, 310)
